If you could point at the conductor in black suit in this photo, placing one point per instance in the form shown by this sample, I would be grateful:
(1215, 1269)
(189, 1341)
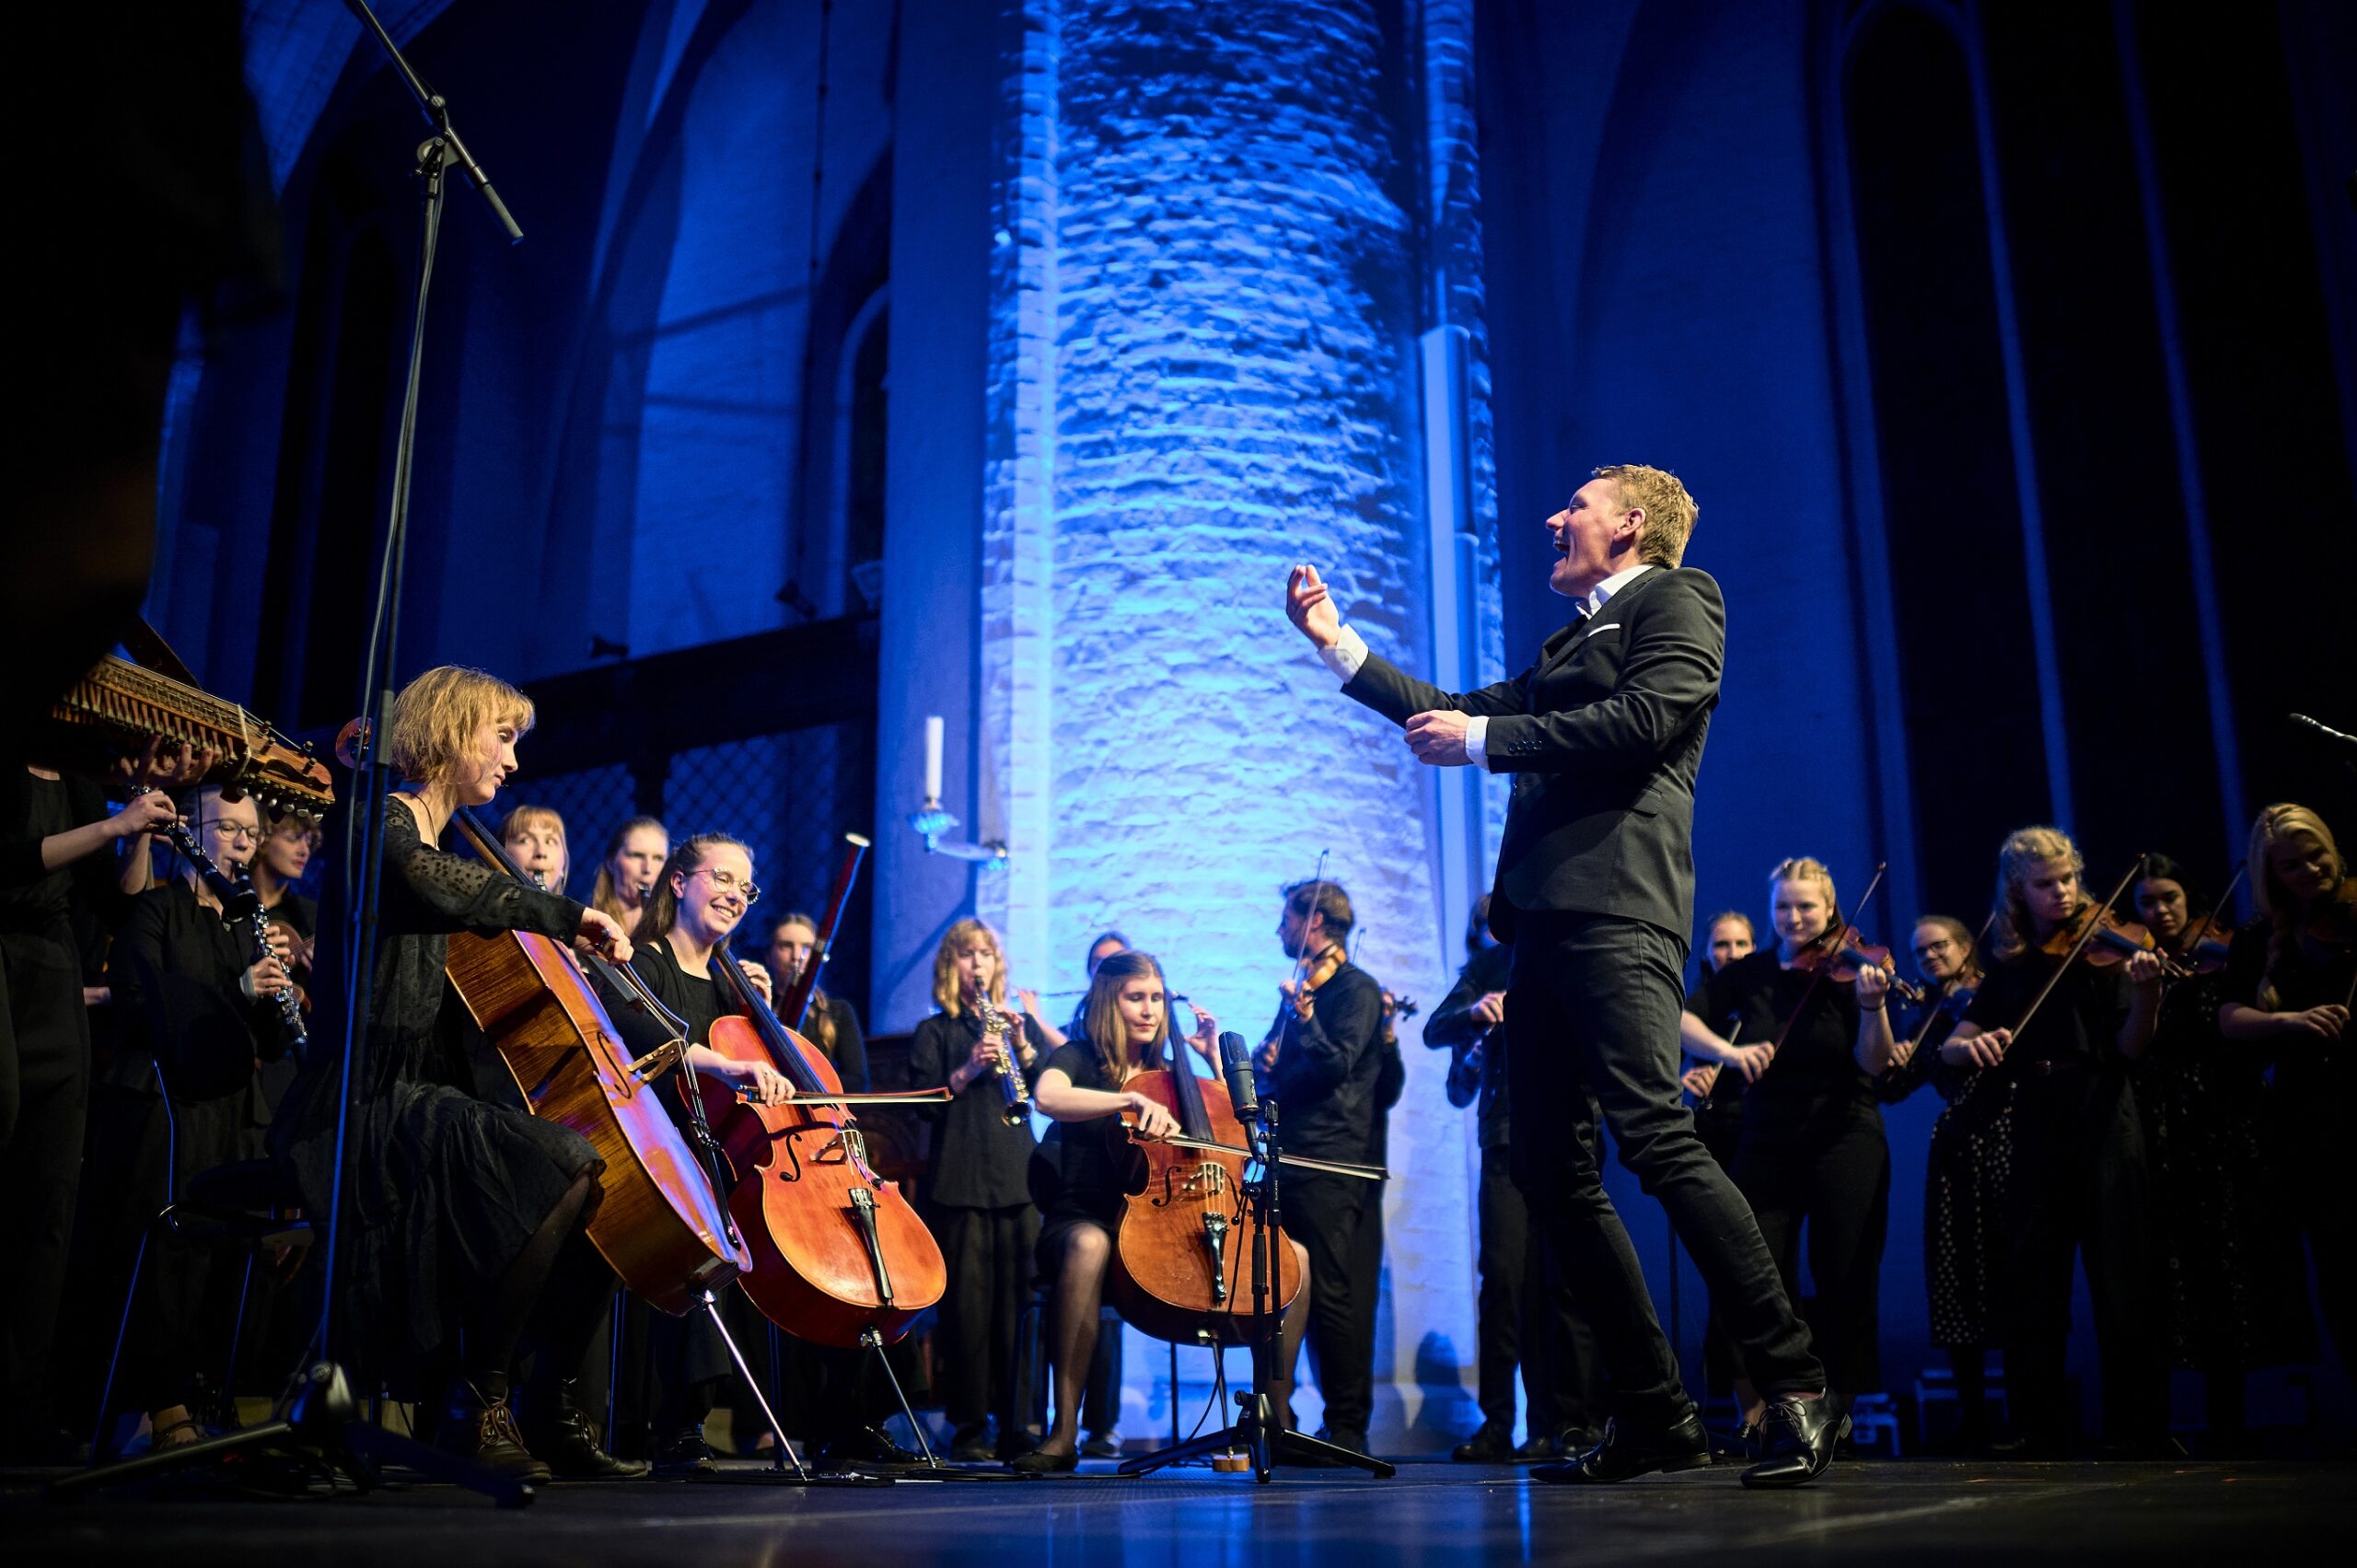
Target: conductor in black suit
(1595, 890)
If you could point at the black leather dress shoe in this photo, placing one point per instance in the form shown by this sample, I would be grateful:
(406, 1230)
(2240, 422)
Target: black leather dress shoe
(1797, 1441)
(1490, 1445)
(868, 1446)
(1624, 1455)
(560, 1435)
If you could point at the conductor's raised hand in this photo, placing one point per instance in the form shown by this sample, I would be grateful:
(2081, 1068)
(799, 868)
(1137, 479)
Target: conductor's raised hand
(1438, 738)
(1310, 607)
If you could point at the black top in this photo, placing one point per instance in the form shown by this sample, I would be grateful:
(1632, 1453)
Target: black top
(700, 1000)
(1084, 1181)
(2311, 1073)
(1817, 1060)
(175, 973)
(1925, 1066)
(1723, 1107)
(1329, 1069)
(2077, 1029)
(1454, 1026)
(51, 924)
(297, 913)
(1603, 738)
(848, 1050)
(978, 1162)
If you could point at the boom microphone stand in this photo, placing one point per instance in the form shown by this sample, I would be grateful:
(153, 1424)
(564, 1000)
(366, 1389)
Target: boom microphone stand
(1257, 1426)
(318, 1412)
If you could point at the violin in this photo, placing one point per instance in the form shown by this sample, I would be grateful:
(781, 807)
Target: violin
(1313, 972)
(838, 1255)
(1842, 950)
(2333, 921)
(2105, 940)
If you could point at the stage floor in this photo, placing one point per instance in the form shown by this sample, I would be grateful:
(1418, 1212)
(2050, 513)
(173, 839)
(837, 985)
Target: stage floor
(1925, 1511)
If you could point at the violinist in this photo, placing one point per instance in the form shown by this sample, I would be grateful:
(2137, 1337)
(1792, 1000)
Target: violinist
(2287, 996)
(979, 1190)
(1324, 1065)
(1812, 1152)
(1968, 1170)
(2237, 1291)
(701, 895)
(533, 837)
(1080, 1088)
(2079, 1180)
(463, 1223)
(1524, 1310)
(634, 856)
(197, 1016)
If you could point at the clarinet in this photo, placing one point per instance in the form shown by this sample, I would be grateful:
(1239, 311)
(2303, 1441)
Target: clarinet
(1017, 1110)
(240, 901)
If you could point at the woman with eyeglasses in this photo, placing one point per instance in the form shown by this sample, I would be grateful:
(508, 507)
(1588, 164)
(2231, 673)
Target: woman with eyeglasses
(1966, 1169)
(198, 1018)
(702, 895)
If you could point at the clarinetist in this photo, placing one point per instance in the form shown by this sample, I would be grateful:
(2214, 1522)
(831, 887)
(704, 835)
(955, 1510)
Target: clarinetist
(977, 1190)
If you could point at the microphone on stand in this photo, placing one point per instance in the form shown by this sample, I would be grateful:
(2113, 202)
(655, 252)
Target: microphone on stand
(2318, 727)
(1235, 1067)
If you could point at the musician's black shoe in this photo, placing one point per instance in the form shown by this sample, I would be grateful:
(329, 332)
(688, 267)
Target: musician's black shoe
(868, 1446)
(477, 1427)
(1624, 1455)
(972, 1444)
(684, 1455)
(1490, 1445)
(1102, 1445)
(1038, 1461)
(1796, 1440)
(1572, 1440)
(561, 1435)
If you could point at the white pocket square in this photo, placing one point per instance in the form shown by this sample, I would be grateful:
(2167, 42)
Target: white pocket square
(1608, 626)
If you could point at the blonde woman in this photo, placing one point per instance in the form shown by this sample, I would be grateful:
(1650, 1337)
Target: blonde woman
(2079, 1184)
(1811, 1156)
(462, 1221)
(533, 837)
(1125, 1030)
(2286, 995)
(626, 872)
(977, 1190)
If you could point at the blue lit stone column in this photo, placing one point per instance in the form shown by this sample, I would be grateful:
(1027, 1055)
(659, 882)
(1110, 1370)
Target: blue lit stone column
(1211, 313)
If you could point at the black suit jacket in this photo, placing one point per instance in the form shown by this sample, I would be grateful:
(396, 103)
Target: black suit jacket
(1603, 738)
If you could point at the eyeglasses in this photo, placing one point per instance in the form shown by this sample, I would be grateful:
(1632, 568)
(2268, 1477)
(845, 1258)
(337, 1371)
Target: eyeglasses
(727, 882)
(236, 832)
(1928, 948)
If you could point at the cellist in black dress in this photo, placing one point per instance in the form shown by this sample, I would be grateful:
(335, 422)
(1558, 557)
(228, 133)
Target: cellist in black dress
(1079, 1089)
(463, 1221)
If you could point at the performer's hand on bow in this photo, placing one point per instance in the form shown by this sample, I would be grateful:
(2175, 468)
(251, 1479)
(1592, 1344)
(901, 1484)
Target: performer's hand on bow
(1438, 738)
(1985, 1048)
(601, 933)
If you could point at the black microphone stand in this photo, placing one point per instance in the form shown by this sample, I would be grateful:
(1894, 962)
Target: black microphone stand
(1259, 1426)
(318, 1408)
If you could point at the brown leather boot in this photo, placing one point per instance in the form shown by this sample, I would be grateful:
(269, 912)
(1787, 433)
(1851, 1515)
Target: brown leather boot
(477, 1427)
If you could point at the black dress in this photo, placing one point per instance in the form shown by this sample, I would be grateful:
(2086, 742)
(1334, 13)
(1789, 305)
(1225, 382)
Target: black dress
(979, 1203)
(1967, 1174)
(444, 1189)
(2237, 1291)
(1084, 1182)
(1812, 1152)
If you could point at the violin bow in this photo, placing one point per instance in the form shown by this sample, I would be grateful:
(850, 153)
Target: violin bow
(2210, 921)
(2094, 925)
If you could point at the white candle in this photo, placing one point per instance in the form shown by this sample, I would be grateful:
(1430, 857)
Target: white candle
(933, 733)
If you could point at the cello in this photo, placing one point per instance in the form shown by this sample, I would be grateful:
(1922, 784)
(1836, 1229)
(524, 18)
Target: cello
(838, 1256)
(657, 1221)
(1186, 1231)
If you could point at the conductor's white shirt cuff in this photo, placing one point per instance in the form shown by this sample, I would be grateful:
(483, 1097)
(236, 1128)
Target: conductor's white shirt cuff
(1344, 657)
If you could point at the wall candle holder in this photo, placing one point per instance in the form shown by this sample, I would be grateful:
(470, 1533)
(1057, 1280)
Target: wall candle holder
(932, 821)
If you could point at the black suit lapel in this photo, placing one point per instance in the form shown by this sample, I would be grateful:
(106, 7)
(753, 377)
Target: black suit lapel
(1576, 634)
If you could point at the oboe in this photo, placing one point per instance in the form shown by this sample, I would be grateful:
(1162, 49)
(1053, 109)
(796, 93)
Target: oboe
(240, 901)
(1017, 1110)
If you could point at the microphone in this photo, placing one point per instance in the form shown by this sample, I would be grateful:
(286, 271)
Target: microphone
(2318, 727)
(1236, 1066)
